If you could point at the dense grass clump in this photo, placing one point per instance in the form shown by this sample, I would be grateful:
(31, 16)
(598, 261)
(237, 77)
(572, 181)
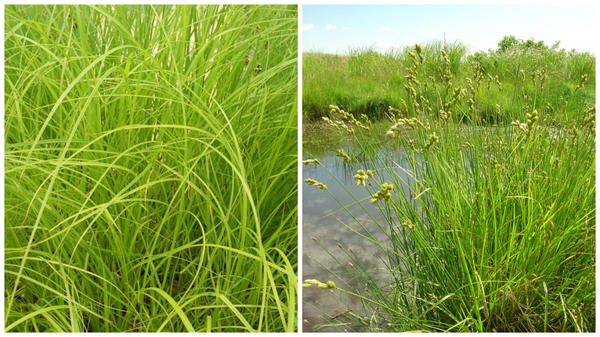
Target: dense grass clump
(150, 168)
(365, 81)
(488, 228)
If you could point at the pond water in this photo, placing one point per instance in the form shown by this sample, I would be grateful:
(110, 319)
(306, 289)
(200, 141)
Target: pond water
(329, 246)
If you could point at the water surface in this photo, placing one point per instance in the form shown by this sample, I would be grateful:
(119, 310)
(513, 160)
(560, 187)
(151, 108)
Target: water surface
(329, 246)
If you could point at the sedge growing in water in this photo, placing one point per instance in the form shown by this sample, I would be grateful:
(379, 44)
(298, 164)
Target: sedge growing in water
(480, 227)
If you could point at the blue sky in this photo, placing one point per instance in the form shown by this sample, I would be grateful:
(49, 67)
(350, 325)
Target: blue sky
(336, 28)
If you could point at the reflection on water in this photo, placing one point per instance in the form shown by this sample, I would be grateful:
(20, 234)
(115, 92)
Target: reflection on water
(329, 246)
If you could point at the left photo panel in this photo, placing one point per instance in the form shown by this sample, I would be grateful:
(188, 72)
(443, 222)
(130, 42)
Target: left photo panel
(151, 168)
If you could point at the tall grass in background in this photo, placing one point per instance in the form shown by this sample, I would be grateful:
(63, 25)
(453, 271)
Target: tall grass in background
(494, 229)
(150, 168)
(366, 81)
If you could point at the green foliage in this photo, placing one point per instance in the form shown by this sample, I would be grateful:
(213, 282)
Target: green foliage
(150, 168)
(490, 226)
(510, 42)
(368, 82)
(487, 229)
(507, 42)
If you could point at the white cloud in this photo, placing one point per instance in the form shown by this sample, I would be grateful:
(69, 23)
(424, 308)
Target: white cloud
(346, 28)
(330, 26)
(387, 28)
(307, 26)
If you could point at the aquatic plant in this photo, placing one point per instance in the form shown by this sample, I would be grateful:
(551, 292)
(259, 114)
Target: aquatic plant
(476, 236)
(315, 183)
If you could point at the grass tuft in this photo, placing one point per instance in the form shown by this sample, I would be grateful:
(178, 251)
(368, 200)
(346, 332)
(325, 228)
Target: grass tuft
(150, 168)
(487, 228)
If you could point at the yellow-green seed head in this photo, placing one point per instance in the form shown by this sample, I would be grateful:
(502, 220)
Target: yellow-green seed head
(311, 161)
(343, 154)
(323, 286)
(408, 224)
(313, 182)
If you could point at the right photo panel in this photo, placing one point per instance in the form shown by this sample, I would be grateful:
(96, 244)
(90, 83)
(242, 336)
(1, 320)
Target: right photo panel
(448, 168)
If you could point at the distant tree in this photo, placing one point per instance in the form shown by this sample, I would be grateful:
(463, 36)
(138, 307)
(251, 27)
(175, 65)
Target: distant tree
(507, 42)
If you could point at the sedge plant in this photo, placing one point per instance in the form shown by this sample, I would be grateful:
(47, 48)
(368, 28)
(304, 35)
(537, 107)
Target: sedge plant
(150, 168)
(487, 229)
(363, 80)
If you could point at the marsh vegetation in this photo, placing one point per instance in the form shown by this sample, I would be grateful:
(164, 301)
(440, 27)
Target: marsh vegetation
(486, 221)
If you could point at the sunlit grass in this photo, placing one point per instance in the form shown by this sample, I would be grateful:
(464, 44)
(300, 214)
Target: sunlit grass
(492, 230)
(366, 81)
(150, 168)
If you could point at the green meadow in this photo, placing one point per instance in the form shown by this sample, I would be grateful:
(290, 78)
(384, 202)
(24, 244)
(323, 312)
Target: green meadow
(365, 81)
